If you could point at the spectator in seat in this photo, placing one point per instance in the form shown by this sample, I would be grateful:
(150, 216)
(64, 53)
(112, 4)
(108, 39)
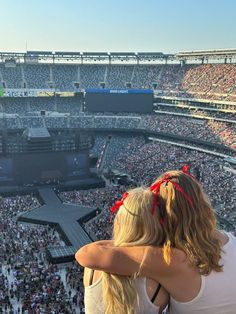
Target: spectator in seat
(133, 226)
(195, 262)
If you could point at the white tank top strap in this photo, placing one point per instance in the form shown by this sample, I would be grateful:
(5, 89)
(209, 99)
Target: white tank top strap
(93, 298)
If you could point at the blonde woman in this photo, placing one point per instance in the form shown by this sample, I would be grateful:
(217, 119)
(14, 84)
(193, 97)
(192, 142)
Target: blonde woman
(195, 263)
(133, 226)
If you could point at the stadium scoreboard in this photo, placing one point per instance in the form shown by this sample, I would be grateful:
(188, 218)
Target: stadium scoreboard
(119, 100)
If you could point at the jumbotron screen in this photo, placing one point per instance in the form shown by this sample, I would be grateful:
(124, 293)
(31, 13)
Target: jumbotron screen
(29, 168)
(116, 100)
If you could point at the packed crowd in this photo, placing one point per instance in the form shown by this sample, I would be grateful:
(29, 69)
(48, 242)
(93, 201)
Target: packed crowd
(144, 162)
(32, 106)
(28, 284)
(211, 131)
(207, 81)
(208, 130)
(212, 81)
(189, 109)
(29, 105)
(118, 144)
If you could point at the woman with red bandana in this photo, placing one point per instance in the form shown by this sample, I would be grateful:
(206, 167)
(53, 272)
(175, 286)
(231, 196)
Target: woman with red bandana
(133, 226)
(194, 261)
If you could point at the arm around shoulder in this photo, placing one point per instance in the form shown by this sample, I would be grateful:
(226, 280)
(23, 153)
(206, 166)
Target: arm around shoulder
(102, 255)
(94, 256)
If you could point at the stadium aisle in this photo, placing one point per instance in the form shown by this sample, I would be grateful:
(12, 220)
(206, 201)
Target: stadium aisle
(10, 277)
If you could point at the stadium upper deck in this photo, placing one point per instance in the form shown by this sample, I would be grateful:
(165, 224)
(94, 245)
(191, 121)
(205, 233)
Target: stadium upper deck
(199, 75)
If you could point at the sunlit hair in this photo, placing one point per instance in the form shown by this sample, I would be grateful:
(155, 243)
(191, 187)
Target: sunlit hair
(134, 225)
(189, 228)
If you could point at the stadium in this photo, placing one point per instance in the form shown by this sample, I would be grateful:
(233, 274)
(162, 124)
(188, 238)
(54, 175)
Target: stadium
(77, 129)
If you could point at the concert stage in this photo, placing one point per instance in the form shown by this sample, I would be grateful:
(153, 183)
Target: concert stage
(86, 183)
(67, 220)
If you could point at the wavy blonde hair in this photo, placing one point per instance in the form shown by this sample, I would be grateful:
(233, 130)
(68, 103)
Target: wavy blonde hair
(190, 228)
(134, 225)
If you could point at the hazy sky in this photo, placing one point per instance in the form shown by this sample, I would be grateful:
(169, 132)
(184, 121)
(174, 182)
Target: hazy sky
(121, 25)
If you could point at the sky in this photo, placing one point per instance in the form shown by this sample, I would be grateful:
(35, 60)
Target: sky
(167, 26)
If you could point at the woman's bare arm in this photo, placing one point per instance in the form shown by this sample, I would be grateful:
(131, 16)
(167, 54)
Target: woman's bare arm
(108, 258)
(127, 261)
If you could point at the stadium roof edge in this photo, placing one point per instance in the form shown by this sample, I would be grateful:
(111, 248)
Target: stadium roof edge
(39, 52)
(95, 53)
(67, 53)
(122, 53)
(60, 56)
(150, 53)
(208, 53)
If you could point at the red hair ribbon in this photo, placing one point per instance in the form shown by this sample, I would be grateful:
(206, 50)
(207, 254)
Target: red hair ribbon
(185, 168)
(156, 188)
(182, 191)
(167, 178)
(117, 205)
(186, 171)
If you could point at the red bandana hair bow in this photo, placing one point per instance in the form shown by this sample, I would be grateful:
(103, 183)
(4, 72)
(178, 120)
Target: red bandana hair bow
(185, 170)
(117, 204)
(155, 188)
(167, 178)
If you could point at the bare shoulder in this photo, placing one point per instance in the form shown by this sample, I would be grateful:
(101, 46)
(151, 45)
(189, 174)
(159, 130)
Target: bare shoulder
(158, 252)
(156, 263)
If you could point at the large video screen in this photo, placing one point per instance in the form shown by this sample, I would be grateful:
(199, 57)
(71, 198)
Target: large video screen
(119, 101)
(40, 167)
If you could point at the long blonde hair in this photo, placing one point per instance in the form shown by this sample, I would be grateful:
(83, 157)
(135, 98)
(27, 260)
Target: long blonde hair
(189, 227)
(133, 225)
